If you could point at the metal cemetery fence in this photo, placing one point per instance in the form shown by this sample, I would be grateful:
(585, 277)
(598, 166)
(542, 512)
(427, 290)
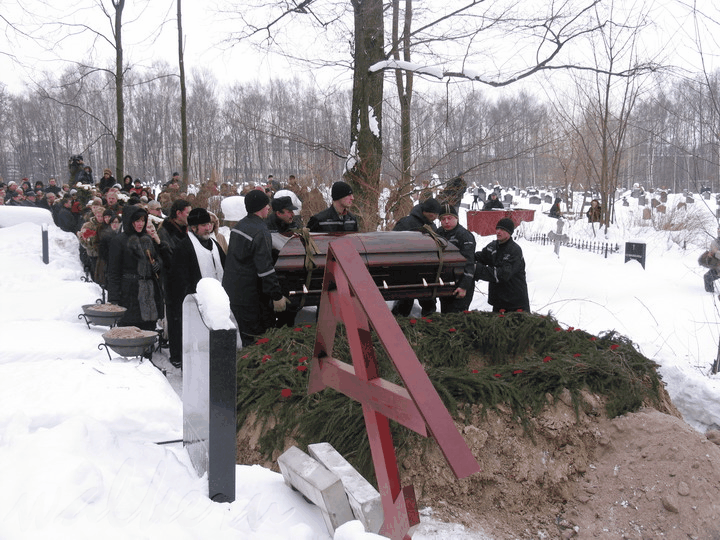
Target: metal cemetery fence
(602, 248)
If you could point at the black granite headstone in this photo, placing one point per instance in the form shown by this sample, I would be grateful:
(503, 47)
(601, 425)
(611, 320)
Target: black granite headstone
(635, 251)
(209, 401)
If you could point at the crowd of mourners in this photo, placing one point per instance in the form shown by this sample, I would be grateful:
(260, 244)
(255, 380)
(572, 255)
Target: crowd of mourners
(148, 253)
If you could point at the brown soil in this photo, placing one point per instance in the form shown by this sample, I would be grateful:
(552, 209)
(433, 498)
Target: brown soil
(645, 475)
(109, 308)
(128, 332)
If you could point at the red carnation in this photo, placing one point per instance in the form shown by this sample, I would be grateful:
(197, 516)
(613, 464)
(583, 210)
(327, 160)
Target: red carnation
(558, 329)
(451, 330)
(302, 368)
(308, 326)
(593, 338)
(614, 346)
(278, 350)
(517, 372)
(502, 311)
(286, 392)
(302, 359)
(298, 329)
(547, 359)
(577, 355)
(413, 321)
(262, 340)
(475, 371)
(498, 375)
(265, 358)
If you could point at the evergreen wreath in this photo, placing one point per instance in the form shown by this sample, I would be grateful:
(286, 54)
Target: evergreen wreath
(519, 360)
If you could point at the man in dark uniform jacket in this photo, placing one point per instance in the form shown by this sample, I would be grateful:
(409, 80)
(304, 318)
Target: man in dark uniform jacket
(280, 222)
(459, 236)
(250, 279)
(282, 218)
(422, 214)
(197, 256)
(337, 218)
(501, 263)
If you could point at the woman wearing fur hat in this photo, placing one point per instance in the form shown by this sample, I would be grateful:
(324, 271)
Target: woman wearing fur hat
(502, 265)
(459, 236)
(134, 269)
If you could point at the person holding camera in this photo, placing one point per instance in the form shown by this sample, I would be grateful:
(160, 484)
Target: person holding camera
(337, 218)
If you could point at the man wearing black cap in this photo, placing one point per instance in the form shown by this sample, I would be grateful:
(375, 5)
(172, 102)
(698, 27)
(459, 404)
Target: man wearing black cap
(421, 215)
(337, 218)
(197, 256)
(459, 236)
(282, 218)
(501, 263)
(250, 279)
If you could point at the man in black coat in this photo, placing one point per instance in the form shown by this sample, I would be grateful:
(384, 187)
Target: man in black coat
(197, 256)
(493, 202)
(501, 263)
(250, 279)
(172, 231)
(337, 218)
(421, 215)
(459, 236)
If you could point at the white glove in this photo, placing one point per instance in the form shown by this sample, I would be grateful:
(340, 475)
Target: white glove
(280, 305)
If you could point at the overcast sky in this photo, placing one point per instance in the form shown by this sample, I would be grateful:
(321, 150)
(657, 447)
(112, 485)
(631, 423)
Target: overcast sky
(150, 34)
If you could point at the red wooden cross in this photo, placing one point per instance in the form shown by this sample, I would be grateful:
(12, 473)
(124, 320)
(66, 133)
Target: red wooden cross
(350, 295)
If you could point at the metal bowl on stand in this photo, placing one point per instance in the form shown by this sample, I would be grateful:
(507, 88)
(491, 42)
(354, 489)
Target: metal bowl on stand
(130, 341)
(102, 314)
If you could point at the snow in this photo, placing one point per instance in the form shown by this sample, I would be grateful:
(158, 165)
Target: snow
(86, 445)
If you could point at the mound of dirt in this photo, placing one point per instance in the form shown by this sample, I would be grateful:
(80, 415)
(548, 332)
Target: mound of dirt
(640, 476)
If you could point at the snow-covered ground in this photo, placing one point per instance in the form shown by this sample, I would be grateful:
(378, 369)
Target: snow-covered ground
(78, 432)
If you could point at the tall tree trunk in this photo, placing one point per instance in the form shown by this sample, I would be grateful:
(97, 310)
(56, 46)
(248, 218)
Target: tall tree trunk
(183, 100)
(404, 83)
(119, 5)
(363, 172)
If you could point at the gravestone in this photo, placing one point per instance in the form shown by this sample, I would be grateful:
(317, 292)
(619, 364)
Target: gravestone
(689, 199)
(548, 198)
(508, 198)
(209, 400)
(681, 205)
(635, 251)
(558, 237)
(534, 200)
(706, 195)
(625, 202)
(647, 213)
(663, 196)
(661, 209)
(641, 200)
(654, 203)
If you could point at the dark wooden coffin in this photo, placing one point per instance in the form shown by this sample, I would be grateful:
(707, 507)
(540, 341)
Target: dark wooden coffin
(402, 264)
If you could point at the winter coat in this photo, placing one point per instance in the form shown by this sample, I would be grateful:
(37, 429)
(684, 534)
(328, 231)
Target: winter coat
(493, 202)
(328, 221)
(414, 221)
(66, 220)
(274, 224)
(184, 274)
(465, 242)
(555, 209)
(172, 235)
(131, 280)
(106, 183)
(250, 279)
(503, 266)
(594, 214)
(105, 235)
